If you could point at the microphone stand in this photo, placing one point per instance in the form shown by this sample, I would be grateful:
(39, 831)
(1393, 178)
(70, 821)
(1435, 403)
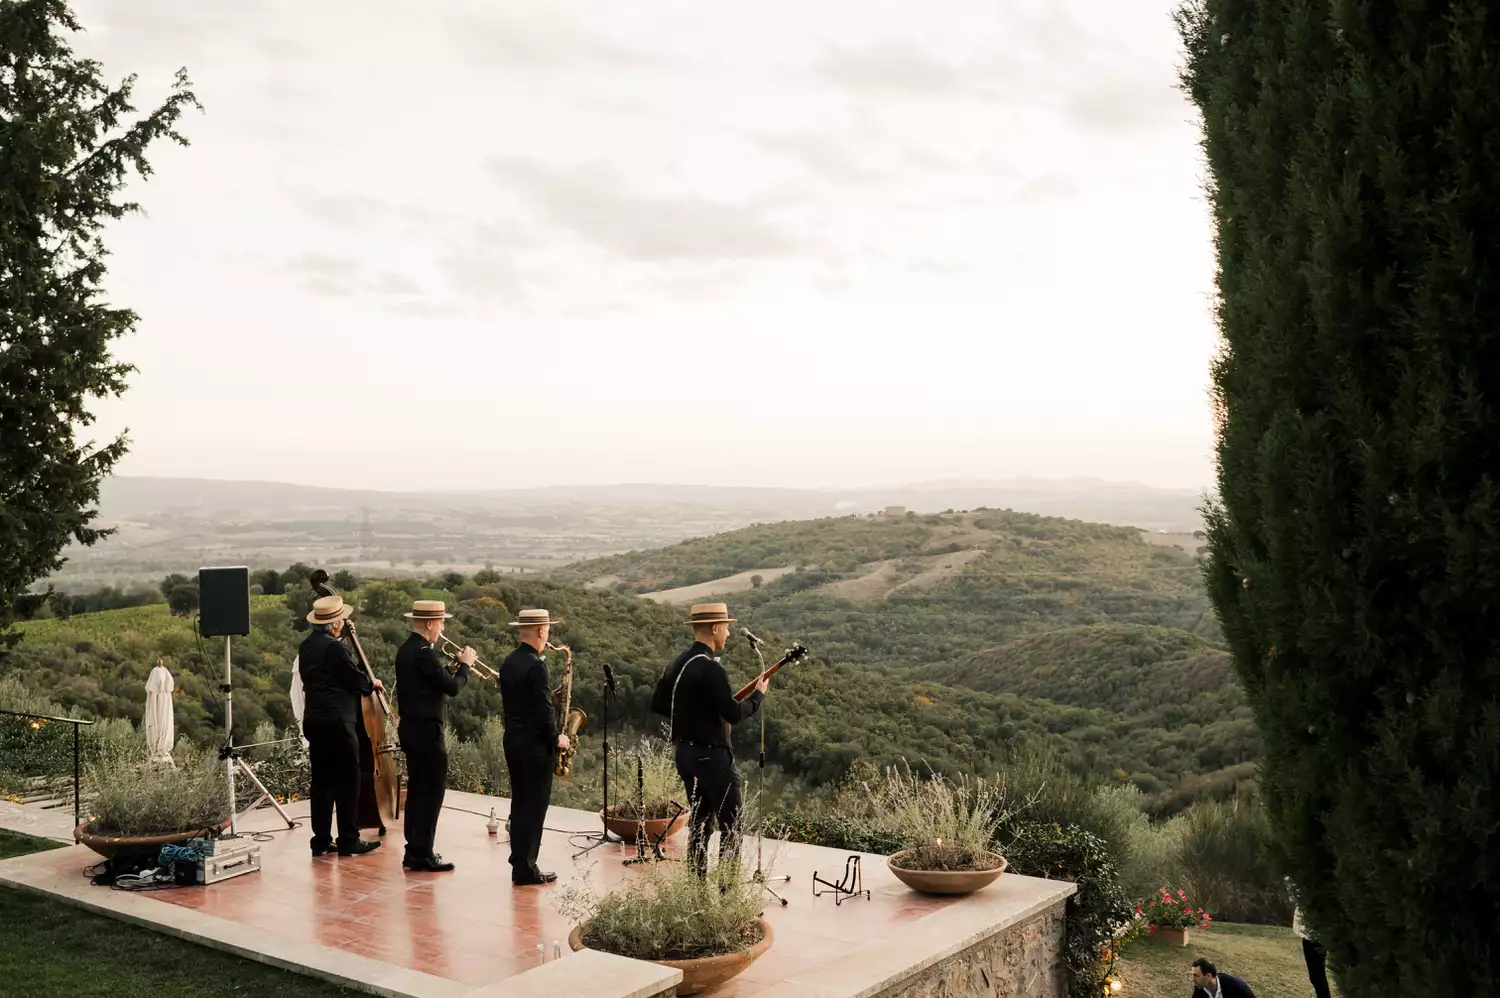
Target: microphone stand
(603, 837)
(759, 877)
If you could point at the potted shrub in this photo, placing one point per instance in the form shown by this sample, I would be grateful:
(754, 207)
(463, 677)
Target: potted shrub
(657, 787)
(138, 808)
(708, 928)
(945, 830)
(1169, 917)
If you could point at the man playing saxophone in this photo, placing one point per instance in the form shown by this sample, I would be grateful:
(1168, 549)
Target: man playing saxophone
(531, 743)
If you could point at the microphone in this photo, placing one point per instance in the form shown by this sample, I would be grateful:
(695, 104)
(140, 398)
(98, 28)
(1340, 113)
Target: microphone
(745, 632)
(609, 677)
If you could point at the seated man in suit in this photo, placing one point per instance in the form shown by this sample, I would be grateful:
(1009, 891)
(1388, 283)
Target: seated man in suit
(1209, 983)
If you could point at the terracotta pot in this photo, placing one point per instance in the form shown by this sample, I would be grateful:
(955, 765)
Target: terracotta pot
(1171, 937)
(626, 828)
(944, 881)
(705, 972)
(110, 846)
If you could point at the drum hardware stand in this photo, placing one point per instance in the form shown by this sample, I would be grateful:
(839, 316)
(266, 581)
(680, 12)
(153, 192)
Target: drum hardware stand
(603, 837)
(759, 876)
(852, 886)
(657, 856)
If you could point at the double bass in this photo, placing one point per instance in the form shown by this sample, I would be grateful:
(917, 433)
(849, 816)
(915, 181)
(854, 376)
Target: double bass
(379, 765)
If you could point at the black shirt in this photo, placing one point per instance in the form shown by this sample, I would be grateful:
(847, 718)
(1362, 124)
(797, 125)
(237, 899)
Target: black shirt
(704, 708)
(423, 686)
(332, 682)
(527, 697)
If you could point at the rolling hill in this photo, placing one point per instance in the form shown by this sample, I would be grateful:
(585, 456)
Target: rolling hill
(951, 639)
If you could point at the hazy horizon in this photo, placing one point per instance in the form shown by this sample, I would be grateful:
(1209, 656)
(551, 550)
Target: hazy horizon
(936, 484)
(847, 246)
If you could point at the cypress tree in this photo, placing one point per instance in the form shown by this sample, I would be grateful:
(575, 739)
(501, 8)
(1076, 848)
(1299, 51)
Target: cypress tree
(1354, 176)
(68, 146)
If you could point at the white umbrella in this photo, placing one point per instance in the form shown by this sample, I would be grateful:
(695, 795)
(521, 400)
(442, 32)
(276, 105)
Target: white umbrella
(160, 730)
(299, 700)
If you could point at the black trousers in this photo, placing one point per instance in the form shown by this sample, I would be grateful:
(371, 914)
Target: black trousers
(713, 789)
(426, 783)
(1317, 971)
(530, 764)
(333, 752)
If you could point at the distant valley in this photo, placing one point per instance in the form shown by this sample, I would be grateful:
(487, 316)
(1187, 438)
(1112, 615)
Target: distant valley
(163, 525)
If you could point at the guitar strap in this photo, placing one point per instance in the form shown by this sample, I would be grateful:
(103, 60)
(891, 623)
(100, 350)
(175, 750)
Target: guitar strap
(675, 683)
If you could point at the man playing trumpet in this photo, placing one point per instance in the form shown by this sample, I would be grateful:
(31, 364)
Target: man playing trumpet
(531, 743)
(695, 694)
(423, 687)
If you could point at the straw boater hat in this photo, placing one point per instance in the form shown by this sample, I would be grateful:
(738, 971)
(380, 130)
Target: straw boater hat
(428, 609)
(327, 609)
(711, 613)
(534, 618)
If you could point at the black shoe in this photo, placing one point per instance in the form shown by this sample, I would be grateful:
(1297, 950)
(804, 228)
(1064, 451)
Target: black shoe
(536, 878)
(357, 848)
(319, 848)
(429, 864)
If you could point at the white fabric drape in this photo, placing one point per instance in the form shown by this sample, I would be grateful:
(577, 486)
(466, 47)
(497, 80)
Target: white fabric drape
(299, 700)
(160, 729)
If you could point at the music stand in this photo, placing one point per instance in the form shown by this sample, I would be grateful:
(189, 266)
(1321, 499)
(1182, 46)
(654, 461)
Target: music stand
(602, 838)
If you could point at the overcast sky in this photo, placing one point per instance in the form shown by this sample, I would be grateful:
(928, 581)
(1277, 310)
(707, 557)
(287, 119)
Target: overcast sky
(488, 244)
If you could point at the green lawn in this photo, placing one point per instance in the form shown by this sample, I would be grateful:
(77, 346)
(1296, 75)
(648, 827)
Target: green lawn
(1267, 957)
(48, 948)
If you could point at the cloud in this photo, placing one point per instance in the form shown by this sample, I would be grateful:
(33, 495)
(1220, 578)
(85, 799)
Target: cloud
(331, 275)
(892, 66)
(495, 41)
(326, 274)
(399, 285)
(593, 203)
(1116, 101)
(349, 212)
(822, 155)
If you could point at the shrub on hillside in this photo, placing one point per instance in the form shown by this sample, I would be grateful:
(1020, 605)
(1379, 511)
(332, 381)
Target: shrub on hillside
(1225, 858)
(37, 754)
(282, 766)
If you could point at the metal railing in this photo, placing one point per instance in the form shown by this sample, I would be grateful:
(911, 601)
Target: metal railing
(75, 721)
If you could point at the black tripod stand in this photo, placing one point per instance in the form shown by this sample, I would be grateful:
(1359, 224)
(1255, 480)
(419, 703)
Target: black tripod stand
(603, 837)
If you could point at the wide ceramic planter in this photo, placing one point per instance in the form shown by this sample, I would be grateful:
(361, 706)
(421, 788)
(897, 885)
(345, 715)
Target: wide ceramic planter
(1171, 937)
(626, 828)
(944, 881)
(110, 846)
(705, 972)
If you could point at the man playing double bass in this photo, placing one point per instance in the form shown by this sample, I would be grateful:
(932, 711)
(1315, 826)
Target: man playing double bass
(333, 685)
(532, 742)
(423, 687)
(694, 692)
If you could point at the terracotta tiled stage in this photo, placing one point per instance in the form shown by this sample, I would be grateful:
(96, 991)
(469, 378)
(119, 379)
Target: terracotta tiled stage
(472, 926)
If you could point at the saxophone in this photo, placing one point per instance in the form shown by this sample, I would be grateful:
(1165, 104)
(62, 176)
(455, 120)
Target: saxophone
(569, 718)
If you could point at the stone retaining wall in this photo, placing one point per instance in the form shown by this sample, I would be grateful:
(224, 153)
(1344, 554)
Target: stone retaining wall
(1023, 961)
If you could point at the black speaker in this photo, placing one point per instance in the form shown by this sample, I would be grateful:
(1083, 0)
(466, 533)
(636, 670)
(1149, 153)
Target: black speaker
(224, 601)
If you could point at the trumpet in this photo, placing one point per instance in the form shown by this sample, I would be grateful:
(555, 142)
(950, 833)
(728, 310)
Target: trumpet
(482, 670)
